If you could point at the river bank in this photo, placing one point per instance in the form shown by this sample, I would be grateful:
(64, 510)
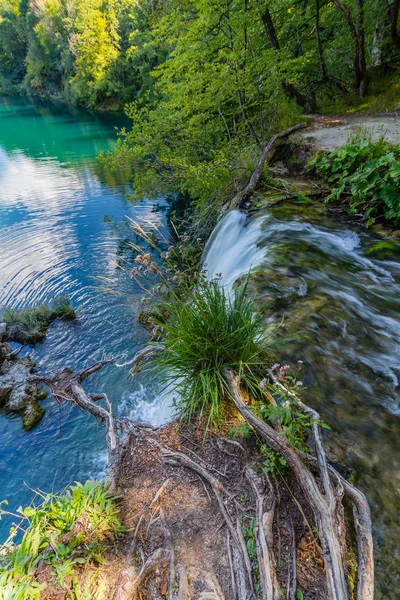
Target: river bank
(289, 277)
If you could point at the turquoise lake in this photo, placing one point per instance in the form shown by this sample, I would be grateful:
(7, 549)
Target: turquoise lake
(56, 204)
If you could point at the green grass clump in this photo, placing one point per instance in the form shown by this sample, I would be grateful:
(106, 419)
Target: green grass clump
(366, 173)
(35, 320)
(206, 332)
(64, 531)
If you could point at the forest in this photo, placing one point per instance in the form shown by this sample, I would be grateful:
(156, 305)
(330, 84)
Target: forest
(204, 82)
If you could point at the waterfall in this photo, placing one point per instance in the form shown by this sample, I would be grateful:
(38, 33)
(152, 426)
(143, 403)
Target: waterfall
(232, 248)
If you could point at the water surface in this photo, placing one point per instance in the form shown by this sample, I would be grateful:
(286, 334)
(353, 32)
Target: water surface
(335, 293)
(54, 239)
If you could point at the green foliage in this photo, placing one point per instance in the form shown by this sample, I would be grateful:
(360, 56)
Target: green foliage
(273, 463)
(367, 174)
(35, 320)
(206, 332)
(65, 532)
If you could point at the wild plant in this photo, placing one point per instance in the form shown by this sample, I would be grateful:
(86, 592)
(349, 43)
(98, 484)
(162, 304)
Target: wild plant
(64, 532)
(365, 173)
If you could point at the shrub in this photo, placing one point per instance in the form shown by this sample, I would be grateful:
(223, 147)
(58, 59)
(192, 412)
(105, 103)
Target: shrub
(206, 332)
(365, 172)
(64, 531)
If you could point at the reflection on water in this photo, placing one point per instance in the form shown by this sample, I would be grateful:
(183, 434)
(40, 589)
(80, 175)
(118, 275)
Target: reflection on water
(54, 240)
(337, 291)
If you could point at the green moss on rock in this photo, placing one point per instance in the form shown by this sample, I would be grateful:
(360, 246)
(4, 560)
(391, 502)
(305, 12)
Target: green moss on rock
(29, 325)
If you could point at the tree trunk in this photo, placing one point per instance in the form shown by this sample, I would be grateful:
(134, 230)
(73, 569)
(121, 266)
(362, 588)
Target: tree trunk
(358, 35)
(289, 89)
(322, 66)
(394, 16)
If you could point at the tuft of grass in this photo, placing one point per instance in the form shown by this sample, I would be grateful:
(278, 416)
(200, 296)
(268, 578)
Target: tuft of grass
(206, 332)
(35, 320)
(64, 532)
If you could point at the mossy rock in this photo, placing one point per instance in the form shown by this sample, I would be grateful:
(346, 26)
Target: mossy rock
(29, 325)
(383, 250)
(32, 415)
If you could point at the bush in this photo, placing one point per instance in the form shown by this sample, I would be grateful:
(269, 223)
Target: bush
(65, 531)
(366, 173)
(206, 332)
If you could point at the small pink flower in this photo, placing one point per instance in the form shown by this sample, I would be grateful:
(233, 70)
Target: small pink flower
(139, 258)
(299, 383)
(263, 384)
(275, 367)
(300, 362)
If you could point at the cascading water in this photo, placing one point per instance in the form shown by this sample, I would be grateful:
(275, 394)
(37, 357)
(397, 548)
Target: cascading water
(337, 290)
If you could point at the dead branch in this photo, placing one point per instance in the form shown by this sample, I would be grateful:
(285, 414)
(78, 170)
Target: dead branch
(361, 511)
(323, 506)
(67, 386)
(242, 196)
(143, 355)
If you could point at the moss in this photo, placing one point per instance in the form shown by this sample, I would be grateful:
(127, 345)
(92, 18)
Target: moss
(383, 250)
(32, 415)
(29, 325)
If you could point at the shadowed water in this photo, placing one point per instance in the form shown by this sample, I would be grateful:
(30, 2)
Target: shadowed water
(336, 293)
(55, 240)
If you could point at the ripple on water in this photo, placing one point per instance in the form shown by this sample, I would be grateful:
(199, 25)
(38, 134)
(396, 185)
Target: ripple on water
(54, 240)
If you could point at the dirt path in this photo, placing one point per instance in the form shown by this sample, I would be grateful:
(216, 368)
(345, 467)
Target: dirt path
(328, 133)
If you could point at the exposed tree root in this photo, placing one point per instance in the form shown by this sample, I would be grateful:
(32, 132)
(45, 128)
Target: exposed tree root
(326, 505)
(324, 496)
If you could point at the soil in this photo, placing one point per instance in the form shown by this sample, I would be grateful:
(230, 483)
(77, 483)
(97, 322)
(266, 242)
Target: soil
(327, 133)
(152, 488)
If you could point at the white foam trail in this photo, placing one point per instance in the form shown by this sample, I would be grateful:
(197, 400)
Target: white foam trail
(146, 406)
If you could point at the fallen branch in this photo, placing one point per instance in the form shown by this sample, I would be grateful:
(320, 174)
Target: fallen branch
(67, 386)
(242, 196)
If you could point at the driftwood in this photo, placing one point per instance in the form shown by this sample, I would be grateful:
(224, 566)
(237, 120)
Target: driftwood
(325, 505)
(242, 196)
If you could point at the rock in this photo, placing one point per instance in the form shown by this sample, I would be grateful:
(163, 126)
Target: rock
(16, 394)
(383, 250)
(32, 415)
(4, 395)
(5, 351)
(20, 333)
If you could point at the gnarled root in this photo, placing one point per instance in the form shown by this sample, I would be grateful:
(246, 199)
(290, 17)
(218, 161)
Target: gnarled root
(326, 505)
(242, 565)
